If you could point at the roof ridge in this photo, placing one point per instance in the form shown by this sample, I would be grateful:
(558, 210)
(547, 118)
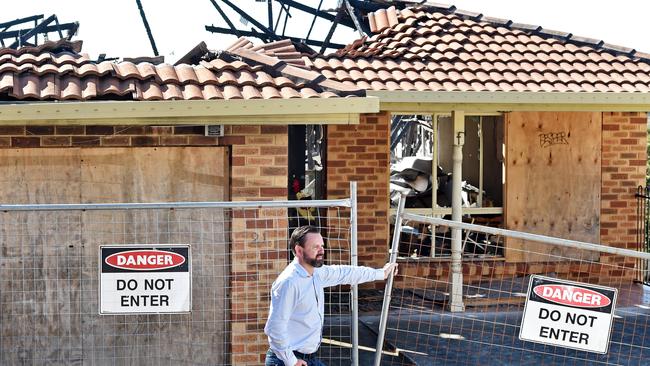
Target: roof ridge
(538, 30)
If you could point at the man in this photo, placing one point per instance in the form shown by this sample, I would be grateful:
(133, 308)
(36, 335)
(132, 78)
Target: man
(295, 322)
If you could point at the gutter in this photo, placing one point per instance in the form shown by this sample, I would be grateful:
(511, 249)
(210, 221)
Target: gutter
(179, 112)
(491, 102)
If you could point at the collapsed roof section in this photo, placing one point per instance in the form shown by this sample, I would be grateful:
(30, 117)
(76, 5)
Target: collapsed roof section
(58, 71)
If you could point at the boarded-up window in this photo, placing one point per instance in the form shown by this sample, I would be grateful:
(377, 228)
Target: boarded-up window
(49, 273)
(553, 177)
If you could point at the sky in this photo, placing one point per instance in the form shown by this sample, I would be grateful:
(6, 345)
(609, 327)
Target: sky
(115, 27)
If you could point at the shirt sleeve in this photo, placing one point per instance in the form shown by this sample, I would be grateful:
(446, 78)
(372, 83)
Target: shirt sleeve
(283, 299)
(348, 275)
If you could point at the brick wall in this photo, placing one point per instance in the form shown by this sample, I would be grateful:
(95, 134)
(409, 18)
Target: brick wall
(623, 170)
(361, 153)
(258, 172)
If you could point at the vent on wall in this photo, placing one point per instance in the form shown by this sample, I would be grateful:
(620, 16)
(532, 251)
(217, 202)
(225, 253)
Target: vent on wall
(214, 130)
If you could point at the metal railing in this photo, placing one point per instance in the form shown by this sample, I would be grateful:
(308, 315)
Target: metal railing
(418, 324)
(50, 278)
(643, 227)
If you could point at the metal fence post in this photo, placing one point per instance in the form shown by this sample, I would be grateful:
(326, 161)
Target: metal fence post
(354, 262)
(389, 282)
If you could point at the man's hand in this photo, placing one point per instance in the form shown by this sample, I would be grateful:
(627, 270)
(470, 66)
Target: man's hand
(301, 363)
(390, 268)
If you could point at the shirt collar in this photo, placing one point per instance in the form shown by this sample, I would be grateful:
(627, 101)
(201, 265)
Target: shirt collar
(300, 269)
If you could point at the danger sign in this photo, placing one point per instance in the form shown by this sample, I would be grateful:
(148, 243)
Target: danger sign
(568, 314)
(144, 279)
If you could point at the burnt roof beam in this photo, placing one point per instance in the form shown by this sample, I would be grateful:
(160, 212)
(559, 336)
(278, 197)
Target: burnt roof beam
(21, 20)
(311, 42)
(320, 13)
(147, 28)
(223, 15)
(337, 19)
(353, 15)
(32, 32)
(70, 27)
(252, 20)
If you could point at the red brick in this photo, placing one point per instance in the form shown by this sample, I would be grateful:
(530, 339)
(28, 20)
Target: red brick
(99, 130)
(274, 171)
(39, 130)
(273, 129)
(145, 140)
(245, 130)
(115, 140)
(202, 140)
(238, 161)
(189, 130)
(273, 150)
(128, 130)
(55, 141)
(173, 140)
(25, 141)
(273, 192)
(12, 130)
(70, 130)
(86, 140)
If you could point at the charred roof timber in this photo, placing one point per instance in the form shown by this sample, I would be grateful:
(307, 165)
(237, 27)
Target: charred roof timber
(28, 36)
(348, 13)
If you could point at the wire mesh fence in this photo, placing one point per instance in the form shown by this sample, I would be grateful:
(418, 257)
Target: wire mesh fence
(50, 282)
(421, 329)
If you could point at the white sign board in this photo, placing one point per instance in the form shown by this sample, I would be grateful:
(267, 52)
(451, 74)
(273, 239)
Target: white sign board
(568, 314)
(144, 279)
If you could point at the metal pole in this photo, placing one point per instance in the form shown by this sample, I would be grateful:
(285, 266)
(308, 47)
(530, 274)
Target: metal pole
(175, 205)
(456, 273)
(434, 178)
(389, 282)
(354, 261)
(527, 236)
(481, 156)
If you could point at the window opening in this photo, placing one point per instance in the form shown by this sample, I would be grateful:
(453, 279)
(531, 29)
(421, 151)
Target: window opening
(421, 166)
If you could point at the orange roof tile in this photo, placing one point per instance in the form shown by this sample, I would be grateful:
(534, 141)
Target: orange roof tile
(57, 71)
(440, 48)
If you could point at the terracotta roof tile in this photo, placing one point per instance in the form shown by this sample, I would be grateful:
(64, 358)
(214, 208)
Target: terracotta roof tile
(57, 71)
(457, 50)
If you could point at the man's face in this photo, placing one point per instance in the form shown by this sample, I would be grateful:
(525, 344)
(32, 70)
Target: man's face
(312, 252)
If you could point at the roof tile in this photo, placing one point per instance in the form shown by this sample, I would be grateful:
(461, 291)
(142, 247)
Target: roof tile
(466, 51)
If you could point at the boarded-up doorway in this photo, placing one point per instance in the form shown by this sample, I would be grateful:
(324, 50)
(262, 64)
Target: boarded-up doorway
(553, 177)
(48, 287)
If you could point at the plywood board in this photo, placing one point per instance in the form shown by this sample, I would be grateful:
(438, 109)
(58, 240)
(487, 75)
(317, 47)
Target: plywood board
(553, 180)
(51, 310)
(160, 174)
(176, 174)
(40, 250)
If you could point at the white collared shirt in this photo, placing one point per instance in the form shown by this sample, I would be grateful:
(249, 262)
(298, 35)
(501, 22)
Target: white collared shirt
(297, 311)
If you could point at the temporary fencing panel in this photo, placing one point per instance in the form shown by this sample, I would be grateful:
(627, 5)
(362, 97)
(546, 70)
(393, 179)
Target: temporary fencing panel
(419, 328)
(50, 279)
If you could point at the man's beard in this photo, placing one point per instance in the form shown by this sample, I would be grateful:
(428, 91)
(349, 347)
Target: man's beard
(315, 262)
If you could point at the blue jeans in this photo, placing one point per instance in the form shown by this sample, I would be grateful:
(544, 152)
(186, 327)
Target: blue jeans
(273, 360)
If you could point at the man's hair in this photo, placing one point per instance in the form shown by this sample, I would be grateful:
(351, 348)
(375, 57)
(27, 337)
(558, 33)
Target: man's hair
(300, 234)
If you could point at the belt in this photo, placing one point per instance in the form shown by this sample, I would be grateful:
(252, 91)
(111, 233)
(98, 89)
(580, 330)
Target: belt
(305, 356)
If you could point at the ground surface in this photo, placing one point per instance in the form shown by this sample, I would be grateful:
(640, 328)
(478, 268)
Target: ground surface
(421, 332)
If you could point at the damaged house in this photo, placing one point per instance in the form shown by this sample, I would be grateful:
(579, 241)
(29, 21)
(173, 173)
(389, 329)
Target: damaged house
(551, 129)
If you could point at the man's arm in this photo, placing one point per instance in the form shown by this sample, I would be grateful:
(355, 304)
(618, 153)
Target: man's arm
(283, 300)
(352, 275)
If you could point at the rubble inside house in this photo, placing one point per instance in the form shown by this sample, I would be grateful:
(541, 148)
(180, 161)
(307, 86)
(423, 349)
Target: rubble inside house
(411, 174)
